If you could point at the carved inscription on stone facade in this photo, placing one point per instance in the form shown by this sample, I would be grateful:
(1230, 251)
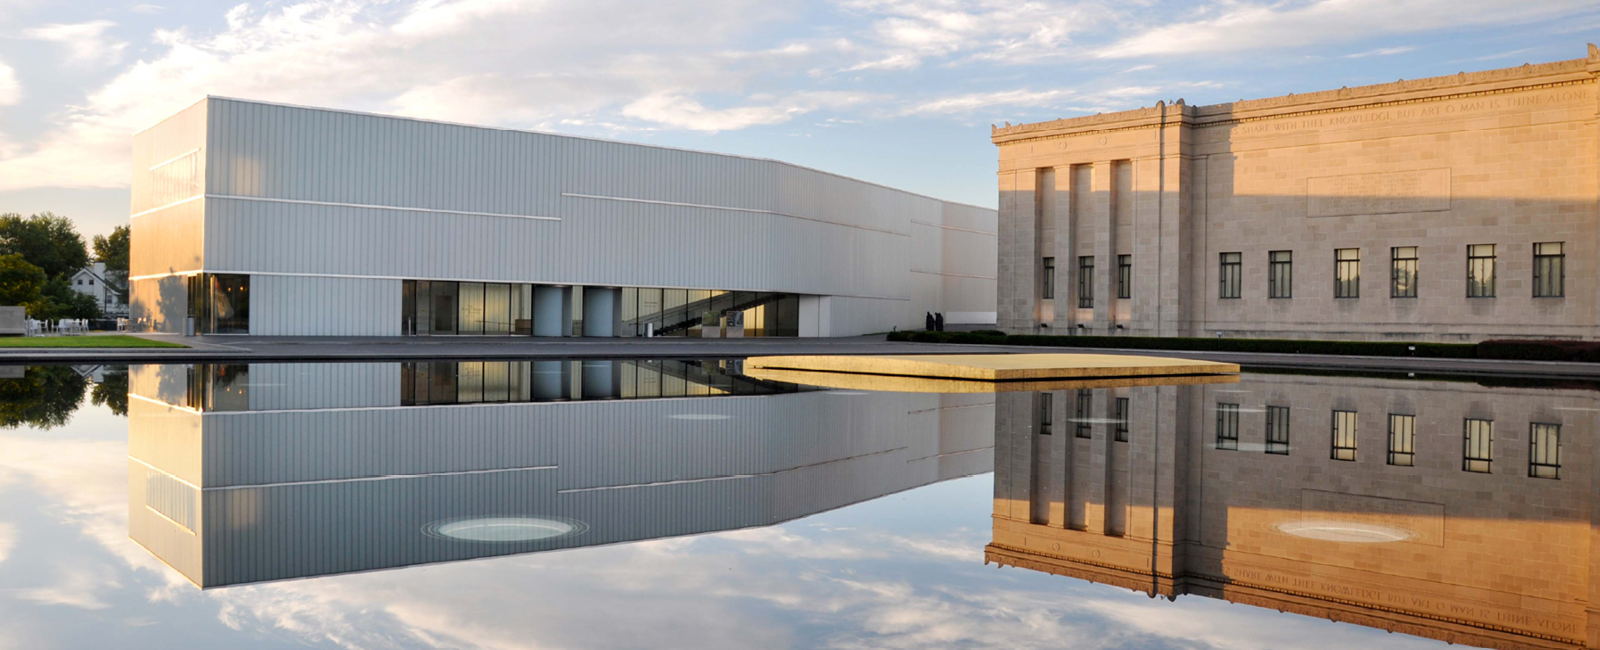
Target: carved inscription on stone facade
(1426, 190)
(1423, 521)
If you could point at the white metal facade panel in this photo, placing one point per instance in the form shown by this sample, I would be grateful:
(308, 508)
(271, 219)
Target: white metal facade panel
(275, 386)
(293, 190)
(287, 305)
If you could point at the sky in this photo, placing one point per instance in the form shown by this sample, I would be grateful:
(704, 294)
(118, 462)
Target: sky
(898, 92)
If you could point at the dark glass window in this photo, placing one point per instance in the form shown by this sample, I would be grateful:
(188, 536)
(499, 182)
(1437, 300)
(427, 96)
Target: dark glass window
(1549, 270)
(1047, 279)
(1347, 273)
(1229, 277)
(1277, 430)
(442, 302)
(1402, 439)
(230, 304)
(1480, 271)
(1344, 435)
(1280, 274)
(1086, 281)
(1544, 450)
(1082, 411)
(1403, 272)
(1478, 447)
(1046, 408)
(1124, 276)
(1227, 426)
(1121, 417)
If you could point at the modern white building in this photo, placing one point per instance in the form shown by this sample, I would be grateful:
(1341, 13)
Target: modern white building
(268, 219)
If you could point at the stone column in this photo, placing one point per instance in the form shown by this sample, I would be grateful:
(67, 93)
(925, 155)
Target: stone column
(1105, 258)
(1174, 208)
(1017, 294)
(1066, 316)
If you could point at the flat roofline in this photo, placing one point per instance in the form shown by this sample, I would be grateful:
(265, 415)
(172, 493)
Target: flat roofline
(564, 135)
(1348, 93)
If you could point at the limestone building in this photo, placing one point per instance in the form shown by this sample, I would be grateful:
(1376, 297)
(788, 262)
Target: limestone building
(1440, 509)
(1451, 208)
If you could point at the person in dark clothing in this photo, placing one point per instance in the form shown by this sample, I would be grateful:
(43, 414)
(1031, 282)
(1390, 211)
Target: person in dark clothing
(929, 321)
(938, 321)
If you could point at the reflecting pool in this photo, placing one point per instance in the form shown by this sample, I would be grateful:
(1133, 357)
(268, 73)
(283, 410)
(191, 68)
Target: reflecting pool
(685, 503)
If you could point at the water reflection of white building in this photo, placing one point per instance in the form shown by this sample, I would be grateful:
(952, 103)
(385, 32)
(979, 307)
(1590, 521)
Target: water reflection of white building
(272, 471)
(1444, 509)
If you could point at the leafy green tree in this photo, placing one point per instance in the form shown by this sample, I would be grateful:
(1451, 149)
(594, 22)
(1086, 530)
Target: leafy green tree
(20, 282)
(113, 250)
(112, 391)
(46, 240)
(58, 300)
(45, 397)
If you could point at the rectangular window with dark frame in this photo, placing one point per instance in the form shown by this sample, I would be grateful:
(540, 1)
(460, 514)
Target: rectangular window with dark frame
(1347, 273)
(1047, 279)
(1549, 270)
(1046, 413)
(1082, 411)
(1124, 276)
(1229, 276)
(1280, 274)
(1278, 430)
(1086, 281)
(1121, 417)
(1480, 271)
(1344, 435)
(1227, 426)
(1544, 450)
(1403, 272)
(1477, 453)
(1402, 440)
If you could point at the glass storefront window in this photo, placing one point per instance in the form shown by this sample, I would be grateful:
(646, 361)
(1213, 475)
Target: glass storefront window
(442, 296)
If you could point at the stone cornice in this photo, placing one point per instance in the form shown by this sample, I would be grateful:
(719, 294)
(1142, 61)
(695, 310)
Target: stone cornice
(1465, 84)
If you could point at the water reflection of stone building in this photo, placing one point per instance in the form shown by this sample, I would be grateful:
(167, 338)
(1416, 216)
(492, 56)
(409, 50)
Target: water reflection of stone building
(259, 472)
(1464, 512)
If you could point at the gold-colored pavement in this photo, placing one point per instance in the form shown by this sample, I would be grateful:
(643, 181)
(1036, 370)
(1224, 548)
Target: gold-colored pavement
(997, 367)
(897, 384)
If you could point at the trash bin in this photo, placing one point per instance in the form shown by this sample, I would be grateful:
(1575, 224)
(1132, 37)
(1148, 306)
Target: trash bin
(188, 326)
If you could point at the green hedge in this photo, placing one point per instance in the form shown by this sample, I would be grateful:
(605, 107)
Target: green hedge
(1539, 350)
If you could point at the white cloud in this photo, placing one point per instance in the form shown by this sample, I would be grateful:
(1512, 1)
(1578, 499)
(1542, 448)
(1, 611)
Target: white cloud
(87, 44)
(679, 111)
(147, 9)
(74, 587)
(972, 102)
(1251, 26)
(10, 88)
(1382, 51)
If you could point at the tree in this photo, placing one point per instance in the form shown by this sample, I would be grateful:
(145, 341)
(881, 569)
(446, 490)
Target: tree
(46, 240)
(113, 250)
(45, 397)
(112, 391)
(20, 282)
(58, 300)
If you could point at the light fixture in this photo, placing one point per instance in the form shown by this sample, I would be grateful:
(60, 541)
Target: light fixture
(503, 530)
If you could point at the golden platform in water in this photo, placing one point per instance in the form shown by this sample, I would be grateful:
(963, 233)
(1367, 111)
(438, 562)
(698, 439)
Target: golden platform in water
(997, 367)
(898, 384)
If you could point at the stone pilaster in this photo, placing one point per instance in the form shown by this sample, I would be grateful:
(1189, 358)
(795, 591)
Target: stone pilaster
(1105, 259)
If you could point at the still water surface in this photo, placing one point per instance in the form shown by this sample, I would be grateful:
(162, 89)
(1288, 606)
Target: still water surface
(631, 504)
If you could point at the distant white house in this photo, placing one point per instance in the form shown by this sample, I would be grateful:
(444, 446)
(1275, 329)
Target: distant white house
(91, 280)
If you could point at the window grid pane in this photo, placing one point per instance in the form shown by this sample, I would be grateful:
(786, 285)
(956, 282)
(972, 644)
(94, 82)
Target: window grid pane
(1344, 435)
(1280, 274)
(1544, 450)
(1347, 273)
(1086, 281)
(1549, 270)
(1478, 446)
(1227, 426)
(1480, 271)
(1081, 412)
(1403, 272)
(1278, 430)
(1122, 419)
(1047, 279)
(1124, 276)
(1402, 440)
(1229, 276)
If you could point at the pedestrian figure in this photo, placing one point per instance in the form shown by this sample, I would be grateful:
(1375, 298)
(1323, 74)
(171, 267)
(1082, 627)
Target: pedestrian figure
(929, 321)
